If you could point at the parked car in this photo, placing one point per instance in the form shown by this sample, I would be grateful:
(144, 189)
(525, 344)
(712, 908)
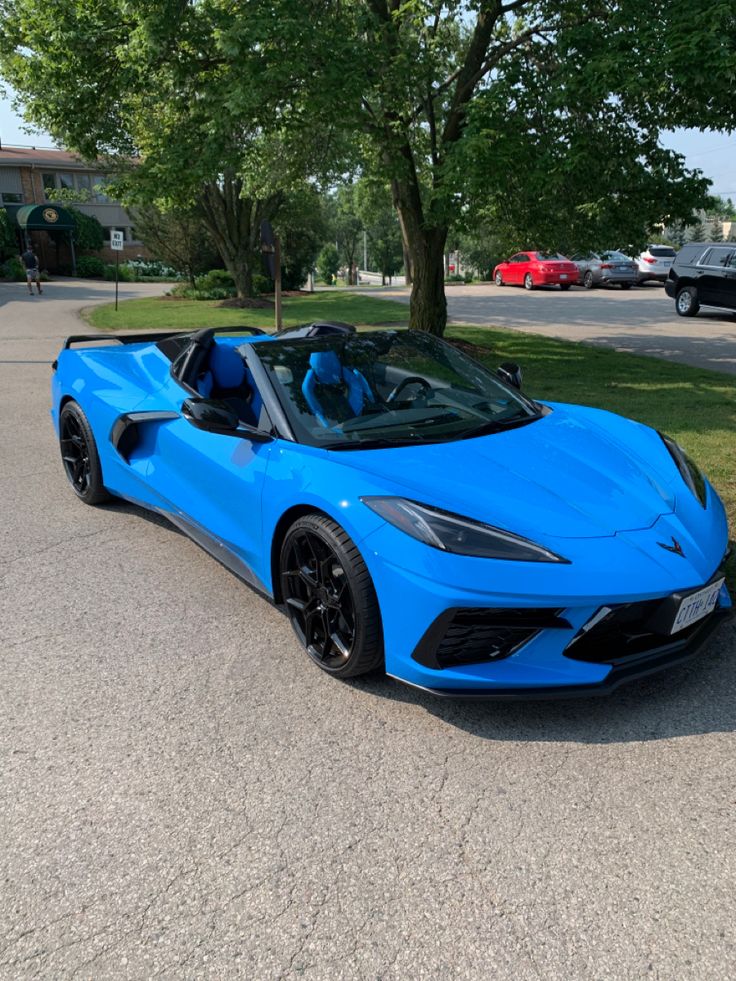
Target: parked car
(606, 269)
(655, 263)
(703, 272)
(531, 269)
(405, 507)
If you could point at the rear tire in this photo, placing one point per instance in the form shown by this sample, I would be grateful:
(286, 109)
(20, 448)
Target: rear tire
(565, 286)
(686, 303)
(588, 280)
(625, 286)
(79, 455)
(329, 597)
(528, 282)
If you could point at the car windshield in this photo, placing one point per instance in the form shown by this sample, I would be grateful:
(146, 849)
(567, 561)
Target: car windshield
(387, 388)
(550, 257)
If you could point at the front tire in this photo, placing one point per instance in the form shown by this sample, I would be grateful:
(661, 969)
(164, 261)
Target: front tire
(329, 597)
(79, 455)
(528, 282)
(686, 303)
(499, 279)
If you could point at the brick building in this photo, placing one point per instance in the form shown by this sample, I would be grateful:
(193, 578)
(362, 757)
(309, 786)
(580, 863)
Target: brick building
(27, 173)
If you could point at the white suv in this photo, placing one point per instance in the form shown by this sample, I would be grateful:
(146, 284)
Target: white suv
(655, 263)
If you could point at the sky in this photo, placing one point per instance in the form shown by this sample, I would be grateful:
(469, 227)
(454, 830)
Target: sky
(713, 153)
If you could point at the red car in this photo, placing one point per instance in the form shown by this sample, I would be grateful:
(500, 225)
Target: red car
(530, 269)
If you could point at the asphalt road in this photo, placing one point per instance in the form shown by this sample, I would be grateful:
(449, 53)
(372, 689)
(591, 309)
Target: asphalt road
(183, 795)
(642, 320)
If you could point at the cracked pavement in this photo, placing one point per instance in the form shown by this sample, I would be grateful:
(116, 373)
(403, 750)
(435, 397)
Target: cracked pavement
(183, 795)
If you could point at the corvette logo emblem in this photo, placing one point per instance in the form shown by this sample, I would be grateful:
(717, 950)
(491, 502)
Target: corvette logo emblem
(675, 547)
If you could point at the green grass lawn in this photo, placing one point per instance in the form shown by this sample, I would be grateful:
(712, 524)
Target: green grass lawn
(158, 313)
(696, 406)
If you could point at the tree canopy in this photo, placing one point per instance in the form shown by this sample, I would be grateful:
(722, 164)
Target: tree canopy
(245, 98)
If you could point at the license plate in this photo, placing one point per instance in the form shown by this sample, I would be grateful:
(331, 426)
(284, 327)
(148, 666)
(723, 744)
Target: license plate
(563, 275)
(696, 606)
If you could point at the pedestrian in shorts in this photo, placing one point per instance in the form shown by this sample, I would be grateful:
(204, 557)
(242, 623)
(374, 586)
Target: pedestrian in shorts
(33, 274)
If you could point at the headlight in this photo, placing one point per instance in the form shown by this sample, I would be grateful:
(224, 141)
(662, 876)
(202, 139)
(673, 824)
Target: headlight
(689, 471)
(453, 533)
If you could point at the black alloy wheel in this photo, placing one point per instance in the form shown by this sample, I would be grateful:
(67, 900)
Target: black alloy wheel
(329, 597)
(79, 455)
(588, 280)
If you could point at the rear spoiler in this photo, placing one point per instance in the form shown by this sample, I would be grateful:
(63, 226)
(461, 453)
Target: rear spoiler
(151, 336)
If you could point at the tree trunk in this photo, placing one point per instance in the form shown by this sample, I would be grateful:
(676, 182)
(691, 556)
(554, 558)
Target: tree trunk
(234, 225)
(407, 265)
(428, 307)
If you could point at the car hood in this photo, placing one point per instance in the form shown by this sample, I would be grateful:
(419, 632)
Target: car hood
(575, 473)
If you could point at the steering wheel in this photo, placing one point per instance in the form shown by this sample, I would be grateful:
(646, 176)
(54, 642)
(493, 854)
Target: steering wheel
(405, 382)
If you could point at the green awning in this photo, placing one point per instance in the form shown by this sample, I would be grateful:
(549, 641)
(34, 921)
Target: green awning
(43, 218)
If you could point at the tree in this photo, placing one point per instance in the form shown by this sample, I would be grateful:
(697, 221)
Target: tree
(302, 228)
(146, 88)
(328, 262)
(8, 242)
(177, 237)
(348, 230)
(697, 232)
(211, 89)
(378, 217)
(716, 231)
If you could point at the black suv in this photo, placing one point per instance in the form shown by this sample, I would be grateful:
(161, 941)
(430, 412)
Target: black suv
(703, 272)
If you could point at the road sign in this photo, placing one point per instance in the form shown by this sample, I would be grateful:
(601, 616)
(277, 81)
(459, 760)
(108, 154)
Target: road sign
(116, 241)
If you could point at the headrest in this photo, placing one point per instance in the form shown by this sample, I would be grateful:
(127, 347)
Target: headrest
(326, 366)
(227, 366)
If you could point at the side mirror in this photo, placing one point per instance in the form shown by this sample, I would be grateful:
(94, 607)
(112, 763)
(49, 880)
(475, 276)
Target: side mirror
(213, 416)
(511, 373)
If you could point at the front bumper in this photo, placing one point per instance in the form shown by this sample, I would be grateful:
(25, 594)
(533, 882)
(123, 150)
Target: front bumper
(430, 604)
(632, 669)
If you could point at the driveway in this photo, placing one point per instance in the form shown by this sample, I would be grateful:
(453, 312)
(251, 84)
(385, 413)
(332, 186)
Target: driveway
(183, 795)
(641, 320)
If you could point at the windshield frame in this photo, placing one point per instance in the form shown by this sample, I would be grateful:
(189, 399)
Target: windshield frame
(290, 427)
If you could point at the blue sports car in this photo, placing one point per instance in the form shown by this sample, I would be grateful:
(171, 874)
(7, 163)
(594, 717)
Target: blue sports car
(406, 507)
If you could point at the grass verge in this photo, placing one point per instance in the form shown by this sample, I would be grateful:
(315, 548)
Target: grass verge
(160, 313)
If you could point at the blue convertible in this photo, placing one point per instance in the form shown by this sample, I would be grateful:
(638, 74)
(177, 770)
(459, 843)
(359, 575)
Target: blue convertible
(406, 507)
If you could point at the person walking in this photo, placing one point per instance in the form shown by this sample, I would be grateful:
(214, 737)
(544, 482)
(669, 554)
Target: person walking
(33, 274)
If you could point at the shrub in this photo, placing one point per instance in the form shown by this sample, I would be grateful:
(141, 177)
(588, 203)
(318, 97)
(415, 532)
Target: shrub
(13, 269)
(454, 278)
(90, 265)
(468, 277)
(215, 279)
(126, 274)
(263, 284)
(153, 267)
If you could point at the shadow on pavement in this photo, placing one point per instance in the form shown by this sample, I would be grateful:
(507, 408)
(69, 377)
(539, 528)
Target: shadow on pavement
(693, 700)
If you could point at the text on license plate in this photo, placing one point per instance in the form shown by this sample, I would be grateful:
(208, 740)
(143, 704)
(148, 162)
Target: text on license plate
(563, 275)
(696, 606)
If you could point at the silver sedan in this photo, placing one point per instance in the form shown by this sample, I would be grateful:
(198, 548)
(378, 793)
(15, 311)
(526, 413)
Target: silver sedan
(606, 269)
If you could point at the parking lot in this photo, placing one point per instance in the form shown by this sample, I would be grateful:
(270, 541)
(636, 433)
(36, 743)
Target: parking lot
(183, 794)
(642, 320)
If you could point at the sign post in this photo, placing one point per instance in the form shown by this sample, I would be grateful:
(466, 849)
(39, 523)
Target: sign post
(116, 244)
